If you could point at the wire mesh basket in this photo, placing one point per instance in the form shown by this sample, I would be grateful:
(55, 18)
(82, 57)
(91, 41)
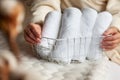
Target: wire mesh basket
(70, 49)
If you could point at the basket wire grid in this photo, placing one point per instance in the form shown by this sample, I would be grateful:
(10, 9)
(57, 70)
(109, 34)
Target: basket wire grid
(72, 47)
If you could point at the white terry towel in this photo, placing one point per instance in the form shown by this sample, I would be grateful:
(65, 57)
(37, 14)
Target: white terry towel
(70, 28)
(102, 23)
(87, 23)
(50, 30)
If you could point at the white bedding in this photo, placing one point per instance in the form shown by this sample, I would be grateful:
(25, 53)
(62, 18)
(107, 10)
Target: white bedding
(99, 70)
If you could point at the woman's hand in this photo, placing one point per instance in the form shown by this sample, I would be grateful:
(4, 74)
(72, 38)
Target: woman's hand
(112, 38)
(32, 33)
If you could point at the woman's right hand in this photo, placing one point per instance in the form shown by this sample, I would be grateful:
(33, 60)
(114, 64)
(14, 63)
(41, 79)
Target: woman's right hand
(32, 33)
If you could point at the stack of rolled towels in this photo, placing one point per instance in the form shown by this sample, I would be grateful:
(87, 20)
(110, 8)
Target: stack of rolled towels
(74, 35)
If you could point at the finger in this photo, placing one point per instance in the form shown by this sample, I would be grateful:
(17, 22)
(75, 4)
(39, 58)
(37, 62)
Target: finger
(36, 40)
(110, 31)
(112, 38)
(36, 29)
(28, 39)
(29, 34)
(110, 43)
(109, 47)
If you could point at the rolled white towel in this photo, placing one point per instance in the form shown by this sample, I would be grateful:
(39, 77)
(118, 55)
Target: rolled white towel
(50, 30)
(87, 23)
(103, 21)
(70, 28)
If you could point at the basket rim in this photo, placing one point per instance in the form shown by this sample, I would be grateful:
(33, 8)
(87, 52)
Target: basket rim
(73, 38)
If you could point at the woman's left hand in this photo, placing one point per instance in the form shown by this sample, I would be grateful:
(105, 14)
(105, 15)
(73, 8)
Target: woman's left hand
(111, 39)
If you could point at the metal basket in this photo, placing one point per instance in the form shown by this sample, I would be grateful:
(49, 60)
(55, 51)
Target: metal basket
(71, 48)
